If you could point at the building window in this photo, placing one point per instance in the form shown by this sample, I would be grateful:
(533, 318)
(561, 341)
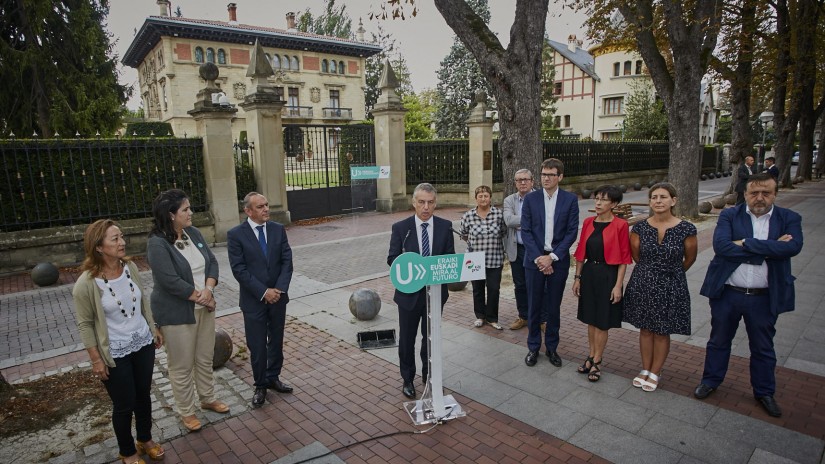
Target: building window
(210, 55)
(613, 105)
(276, 64)
(198, 55)
(638, 66)
(340, 67)
(627, 68)
(557, 121)
(221, 56)
(279, 92)
(566, 120)
(285, 63)
(293, 97)
(165, 101)
(294, 65)
(334, 98)
(333, 67)
(557, 88)
(160, 58)
(616, 68)
(324, 66)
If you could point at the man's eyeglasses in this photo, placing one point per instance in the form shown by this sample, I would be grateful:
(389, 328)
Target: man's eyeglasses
(549, 174)
(524, 180)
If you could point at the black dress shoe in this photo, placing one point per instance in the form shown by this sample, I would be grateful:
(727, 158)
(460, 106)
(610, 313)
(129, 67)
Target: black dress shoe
(554, 358)
(703, 391)
(279, 387)
(770, 406)
(531, 358)
(259, 397)
(409, 390)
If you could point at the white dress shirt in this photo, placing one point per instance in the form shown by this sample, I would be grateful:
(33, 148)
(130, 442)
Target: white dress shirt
(550, 216)
(751, 275)
(418, 223)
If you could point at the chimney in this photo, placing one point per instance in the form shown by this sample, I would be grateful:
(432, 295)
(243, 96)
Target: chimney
(164, 7)
(233, 13)
(290, 20)
(359, 34)
(572, 42)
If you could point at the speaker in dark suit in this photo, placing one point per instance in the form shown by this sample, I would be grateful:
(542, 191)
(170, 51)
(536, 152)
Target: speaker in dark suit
(750, 278)
(427, 235)
(261, 262)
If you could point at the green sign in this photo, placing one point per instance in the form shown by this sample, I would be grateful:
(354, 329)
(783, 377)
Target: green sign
(369, 172)
(410, 272)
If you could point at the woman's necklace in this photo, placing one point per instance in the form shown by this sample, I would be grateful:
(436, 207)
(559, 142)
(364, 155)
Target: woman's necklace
(112, 292)
(183, 242)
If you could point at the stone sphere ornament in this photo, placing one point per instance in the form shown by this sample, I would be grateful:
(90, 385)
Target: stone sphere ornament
(208, 71)
(457, 286)
(703, 177)
(711, 176)
(45, 274)
(364, 304)
(223, 348)
(586, 193)
(705, 207)
(623, 188)
(730, 198)
(637, 186)
(718, 203)
(651, 183)
(718, 175)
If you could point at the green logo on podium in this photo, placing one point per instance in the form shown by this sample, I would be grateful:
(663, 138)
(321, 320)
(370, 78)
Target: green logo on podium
(410, 272)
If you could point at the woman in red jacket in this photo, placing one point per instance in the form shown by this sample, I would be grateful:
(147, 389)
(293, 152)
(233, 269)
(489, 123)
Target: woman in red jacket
(602, 257)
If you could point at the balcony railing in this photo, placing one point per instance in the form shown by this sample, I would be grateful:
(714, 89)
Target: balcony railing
(337, 113)
(297, 112)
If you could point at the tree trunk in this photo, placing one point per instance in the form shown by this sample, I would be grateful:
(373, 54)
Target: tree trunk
(4, 384)
(514, 76)
(685, 150)
(807, 123)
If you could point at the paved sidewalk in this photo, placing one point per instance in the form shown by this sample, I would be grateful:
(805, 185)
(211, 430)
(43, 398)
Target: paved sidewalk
(515, 413)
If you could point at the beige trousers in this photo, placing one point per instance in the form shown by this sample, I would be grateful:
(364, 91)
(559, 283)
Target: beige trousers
(189, 351)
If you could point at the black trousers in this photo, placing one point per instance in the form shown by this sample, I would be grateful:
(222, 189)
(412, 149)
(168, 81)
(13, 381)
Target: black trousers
(265, 339)
(487, 308)
(519, 282)
(129, 387)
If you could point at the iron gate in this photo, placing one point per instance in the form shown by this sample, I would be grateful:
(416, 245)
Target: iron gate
(317, 169)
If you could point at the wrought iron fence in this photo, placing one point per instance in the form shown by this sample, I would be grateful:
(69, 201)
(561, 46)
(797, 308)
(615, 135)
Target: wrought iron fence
(48, 183)
(319, 156)
(244, 167)
(438, 162)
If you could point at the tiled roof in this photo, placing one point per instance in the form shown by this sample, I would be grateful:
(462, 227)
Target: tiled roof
(580, 57)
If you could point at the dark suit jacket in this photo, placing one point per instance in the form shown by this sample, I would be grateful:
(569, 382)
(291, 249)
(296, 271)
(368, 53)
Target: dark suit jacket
(565, 226)
(774, 171)
(442, 243)
(742, 176)
(735, 224)
(256, 272)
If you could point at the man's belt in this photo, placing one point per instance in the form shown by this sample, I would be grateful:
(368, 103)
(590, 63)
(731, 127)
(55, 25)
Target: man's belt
(748, 291)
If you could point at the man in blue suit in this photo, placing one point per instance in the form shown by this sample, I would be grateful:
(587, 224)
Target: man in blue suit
(549, 223)
(750, 277)
(427, 235)
(261, 261)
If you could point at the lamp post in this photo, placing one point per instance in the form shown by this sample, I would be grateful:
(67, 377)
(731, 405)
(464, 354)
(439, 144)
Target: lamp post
(766, 117)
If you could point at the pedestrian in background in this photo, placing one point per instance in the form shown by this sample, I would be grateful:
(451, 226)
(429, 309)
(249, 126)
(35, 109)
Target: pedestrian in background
(115, 324)
(742, 174)
(513, 244)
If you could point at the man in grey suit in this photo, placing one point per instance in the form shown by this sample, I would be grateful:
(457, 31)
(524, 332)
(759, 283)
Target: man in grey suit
(514, 246)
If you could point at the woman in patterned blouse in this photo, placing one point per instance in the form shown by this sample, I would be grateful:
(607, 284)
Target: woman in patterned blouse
(483, 228)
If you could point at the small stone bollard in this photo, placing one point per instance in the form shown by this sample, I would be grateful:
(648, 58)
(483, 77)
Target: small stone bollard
(364, 304)
(703, 177)
(586, 193)
(457, 286)
(623, 188)
(651, 183)
(705, 207)
(730, 198)
(637, 186)
(45, 274)
(712, 176)
(223, 348)
(718, 203)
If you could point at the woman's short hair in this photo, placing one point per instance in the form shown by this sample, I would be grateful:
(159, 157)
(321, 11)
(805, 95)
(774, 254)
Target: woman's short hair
(165, 205)
(93, 238)
(483, 188)
(611, 192)
(662, 185)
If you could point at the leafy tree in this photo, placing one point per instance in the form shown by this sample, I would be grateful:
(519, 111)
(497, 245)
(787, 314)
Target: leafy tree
(420, 115)
(723, 129)
(645, 116)
(334, 22)
(58, 69)
(374, 67)
(548, 94)
(459, 78)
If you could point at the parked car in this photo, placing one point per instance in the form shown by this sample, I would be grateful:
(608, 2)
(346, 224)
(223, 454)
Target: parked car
(795, 159)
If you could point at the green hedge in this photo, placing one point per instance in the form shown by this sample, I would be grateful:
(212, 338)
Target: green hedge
(149, 129)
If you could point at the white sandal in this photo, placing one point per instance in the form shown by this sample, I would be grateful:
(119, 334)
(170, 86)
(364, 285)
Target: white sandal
(496, 326)
(639, 381)
(650, 387)
(478, 322)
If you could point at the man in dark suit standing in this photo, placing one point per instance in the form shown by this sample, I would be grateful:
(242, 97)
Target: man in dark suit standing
(742, 175)
(427, 235)
(261, 261)
(549, 224)
(750, 277)
(770, 167)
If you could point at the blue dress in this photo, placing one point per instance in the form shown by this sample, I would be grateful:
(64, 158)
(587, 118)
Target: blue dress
(657, 296)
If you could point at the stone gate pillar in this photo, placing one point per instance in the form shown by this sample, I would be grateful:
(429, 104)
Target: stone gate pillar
(389, 144)
(481, 148)
(214, 125)
(263, 126)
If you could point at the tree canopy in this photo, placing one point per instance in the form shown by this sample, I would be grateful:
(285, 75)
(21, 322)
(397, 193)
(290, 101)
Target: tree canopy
(334, 21)
(645, 117)
(58, 69)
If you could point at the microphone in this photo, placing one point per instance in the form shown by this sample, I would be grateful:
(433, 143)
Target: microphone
(404, 242)
(462, 237)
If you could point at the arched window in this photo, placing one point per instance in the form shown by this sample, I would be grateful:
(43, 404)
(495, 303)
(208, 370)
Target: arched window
(324, 66)
(210, 55)
(616, 68)
(333, 67)
(198, 55)
(276, 62)
(221, 56)
(627, 68)
(638, 66)
(285, 63)
(295, 64)
(266, 55)
(340, 67)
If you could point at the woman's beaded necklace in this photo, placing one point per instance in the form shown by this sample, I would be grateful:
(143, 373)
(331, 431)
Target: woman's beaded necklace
(119, 303)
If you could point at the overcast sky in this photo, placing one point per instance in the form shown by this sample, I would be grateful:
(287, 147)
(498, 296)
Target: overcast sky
(424, 40)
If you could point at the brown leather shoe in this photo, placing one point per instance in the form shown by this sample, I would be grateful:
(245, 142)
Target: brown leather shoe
(135, 459)
(155, 452)
(518, 324)
(217, 406)
(192, 423)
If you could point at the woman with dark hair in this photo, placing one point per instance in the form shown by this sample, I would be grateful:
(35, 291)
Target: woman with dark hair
(185, 273)
(116, 326)
(483, 228)
(602, 257)
(657, 299)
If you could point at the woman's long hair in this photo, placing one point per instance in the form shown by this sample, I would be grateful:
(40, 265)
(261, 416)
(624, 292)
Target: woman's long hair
(93, 238)
(165, 205)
